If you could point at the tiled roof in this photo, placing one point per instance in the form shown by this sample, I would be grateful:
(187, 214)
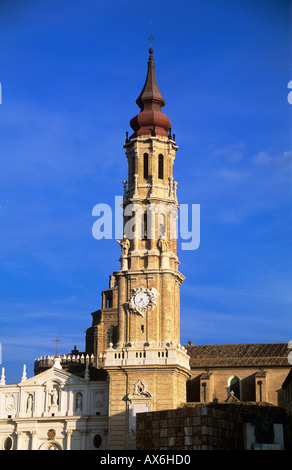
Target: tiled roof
(238, 355)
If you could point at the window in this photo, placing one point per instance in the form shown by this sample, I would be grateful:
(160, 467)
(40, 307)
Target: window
(144, 226)
(260, 383)
(109, 300)
(204, 385)
(111, 335)
(162, 224)
(146, 172)
(160, 166)
(234, 386)
(97, 441)
(8, 443)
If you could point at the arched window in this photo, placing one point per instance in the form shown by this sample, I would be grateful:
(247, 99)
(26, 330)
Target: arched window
(111, 335)
(109, 300)
(162, 224)
(160, 166)
(234, 386)
(144, 227)
(146, 172)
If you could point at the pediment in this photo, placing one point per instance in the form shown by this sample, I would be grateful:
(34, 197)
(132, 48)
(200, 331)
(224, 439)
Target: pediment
(53, 374)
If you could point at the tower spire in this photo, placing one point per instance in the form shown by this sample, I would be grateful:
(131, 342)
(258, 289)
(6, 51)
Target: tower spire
(150, 120)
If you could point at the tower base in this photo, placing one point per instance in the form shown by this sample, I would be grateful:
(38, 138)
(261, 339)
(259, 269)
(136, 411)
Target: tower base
(142, 386)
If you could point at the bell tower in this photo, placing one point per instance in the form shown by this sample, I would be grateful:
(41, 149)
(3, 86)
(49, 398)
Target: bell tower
(147, 366)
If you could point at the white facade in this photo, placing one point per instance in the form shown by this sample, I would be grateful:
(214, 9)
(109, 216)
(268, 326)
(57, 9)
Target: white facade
(54, 410)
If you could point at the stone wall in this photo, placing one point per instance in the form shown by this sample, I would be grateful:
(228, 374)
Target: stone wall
(198, 428)
(231, 425)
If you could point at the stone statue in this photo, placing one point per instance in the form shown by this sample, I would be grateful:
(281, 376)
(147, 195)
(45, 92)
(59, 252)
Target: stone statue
(125, 245)
(79, 401)
(54, 396)
(264, 429)
(163, 244)
(29, 403)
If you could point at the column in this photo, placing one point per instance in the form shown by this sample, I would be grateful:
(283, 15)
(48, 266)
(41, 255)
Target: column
(33, 440)
(152, 211)
(19, 440)
(137, 230)
(122, 294)
(68, 438)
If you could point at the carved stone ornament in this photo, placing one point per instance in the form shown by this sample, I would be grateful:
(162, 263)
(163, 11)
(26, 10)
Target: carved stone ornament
(51, 434)
(140, 299)
(10, 401)
(52, 446)
(140, 388)
(99, 398)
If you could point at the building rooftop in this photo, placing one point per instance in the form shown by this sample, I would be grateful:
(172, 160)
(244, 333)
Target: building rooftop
(238, 355)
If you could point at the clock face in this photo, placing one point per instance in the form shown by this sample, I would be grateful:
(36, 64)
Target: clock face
(142, 299)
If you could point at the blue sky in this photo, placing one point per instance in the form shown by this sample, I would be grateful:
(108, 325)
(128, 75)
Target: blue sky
(70, 75)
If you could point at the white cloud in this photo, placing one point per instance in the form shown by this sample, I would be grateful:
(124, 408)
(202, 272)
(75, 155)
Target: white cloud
(233, 176)
(261, 158)
(232, 152)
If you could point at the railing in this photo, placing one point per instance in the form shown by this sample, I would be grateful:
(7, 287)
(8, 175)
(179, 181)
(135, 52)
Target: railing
(81, 359)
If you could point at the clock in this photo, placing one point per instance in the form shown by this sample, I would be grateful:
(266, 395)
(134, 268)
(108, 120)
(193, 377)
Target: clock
(142, 299)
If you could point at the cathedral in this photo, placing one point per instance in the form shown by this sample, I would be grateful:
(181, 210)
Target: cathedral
(133, 362)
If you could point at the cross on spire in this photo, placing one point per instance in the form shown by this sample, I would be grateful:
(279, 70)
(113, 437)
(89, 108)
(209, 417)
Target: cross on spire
(151, 37)
(57, 340)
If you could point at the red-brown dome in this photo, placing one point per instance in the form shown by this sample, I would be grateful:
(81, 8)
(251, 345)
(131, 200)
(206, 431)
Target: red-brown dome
(150, 120)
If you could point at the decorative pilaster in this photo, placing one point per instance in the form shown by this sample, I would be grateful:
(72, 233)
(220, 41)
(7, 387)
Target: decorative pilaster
(69, 433)
(33, 435)
(136, 193)
(19, 440)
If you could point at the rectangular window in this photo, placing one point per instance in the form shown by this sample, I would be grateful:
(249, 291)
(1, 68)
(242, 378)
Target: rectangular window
(160, 166)
(146, 172)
